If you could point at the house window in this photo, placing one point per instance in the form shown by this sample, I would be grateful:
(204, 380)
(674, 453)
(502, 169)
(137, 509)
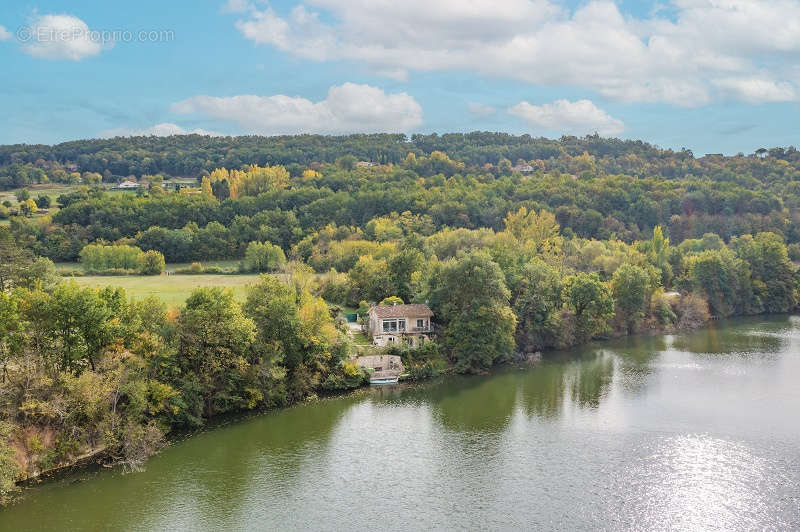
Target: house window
(394, 325)
(391, 339)
(420, 323)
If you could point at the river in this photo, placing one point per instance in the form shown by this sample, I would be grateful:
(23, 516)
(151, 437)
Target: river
(690, 431)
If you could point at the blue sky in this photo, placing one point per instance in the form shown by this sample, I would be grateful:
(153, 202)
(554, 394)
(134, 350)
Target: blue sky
(712, 76)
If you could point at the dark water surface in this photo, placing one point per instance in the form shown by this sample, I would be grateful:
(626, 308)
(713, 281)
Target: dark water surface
(692, 431)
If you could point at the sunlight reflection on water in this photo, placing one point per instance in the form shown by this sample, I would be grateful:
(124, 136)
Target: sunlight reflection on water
(697, 482)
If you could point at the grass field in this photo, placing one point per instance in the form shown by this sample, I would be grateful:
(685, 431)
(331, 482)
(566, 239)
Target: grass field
(54, 190)
(173, 289)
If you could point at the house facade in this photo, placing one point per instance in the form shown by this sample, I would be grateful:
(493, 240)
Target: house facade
(395, 324)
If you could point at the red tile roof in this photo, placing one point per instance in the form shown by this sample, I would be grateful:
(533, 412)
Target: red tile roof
(401, 311)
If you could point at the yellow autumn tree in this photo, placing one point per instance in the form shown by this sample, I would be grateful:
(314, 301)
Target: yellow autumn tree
(537, 231)
(250, 181)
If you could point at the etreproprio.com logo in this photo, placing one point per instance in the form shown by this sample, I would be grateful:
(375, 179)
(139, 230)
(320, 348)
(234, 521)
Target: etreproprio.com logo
(44, 34)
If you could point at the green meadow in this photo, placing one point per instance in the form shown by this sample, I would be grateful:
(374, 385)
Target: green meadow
(172, 289)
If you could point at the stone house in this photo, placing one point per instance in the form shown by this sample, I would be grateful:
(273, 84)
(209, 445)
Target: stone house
(391, 324)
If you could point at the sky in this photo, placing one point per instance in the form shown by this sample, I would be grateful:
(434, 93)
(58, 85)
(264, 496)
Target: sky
(714, 76)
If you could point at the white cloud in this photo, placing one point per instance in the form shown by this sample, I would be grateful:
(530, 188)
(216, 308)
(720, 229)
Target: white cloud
(756, 90)
(62, 37)
(679, 60)
(480, 109)
(348, 108)
(580, 117)
(164, 129)
(4, 34)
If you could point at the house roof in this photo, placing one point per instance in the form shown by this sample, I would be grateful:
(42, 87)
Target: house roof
(401, 311)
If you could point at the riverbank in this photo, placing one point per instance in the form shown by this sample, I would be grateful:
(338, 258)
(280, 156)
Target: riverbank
(638, 429)
(105, 459)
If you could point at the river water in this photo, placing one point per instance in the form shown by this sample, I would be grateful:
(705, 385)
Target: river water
(690, 431)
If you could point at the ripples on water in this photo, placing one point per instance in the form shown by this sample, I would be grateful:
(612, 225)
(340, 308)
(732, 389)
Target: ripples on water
(686, 432)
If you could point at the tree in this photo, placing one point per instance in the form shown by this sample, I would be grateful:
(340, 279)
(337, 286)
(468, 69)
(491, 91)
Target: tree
(536, 304)
(263, 257)
(28, 207)
(43, 201)
(719, 276)
(658, 251)
(363, 311)
(630, 285)
(346, 162)
(100, 257)
(402, 266)
(151, 263)
(92, 178)
(372, 278)
(214, 341)
(11, 330)
(771, 270)
(81, 323)
(14, 261)
(296, 330)
(591, 303)
(469, 297)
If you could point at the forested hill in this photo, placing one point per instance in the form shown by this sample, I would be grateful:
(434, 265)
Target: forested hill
(191, 155)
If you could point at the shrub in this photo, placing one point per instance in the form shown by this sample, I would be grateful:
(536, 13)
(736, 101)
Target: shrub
(263, 257)
(151, 263)
(692, 311)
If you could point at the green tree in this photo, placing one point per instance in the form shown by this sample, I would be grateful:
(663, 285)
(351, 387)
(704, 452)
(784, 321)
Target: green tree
(536, 304)
(630, 287)
(591, 303)
(772, 272)
(81, 323)
(658, 251)
(295, 330)
(43, 201)
(11, 330)
(15, 262)
(263, 257)
(723, 280)
(214, 341)
(469, 297)
(151, 263)
(402, 265)
(23, 195)
(346, 162)
(372, 278)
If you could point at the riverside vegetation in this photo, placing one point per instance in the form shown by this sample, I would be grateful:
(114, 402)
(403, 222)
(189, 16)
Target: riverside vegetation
(517, 244)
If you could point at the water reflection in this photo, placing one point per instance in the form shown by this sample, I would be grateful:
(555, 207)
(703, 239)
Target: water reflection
(735, 339)
(698, 482)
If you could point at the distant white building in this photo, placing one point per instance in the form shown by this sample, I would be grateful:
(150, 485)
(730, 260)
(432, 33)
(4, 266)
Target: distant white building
(366, 164)
(524, 168)
(128, 185)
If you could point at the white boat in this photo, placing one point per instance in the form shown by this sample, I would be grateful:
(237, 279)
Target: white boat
(384, 380)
